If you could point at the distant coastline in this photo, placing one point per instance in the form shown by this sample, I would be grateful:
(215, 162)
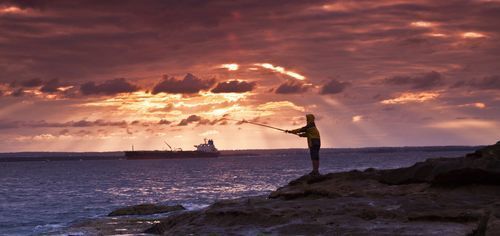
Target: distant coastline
(118, 155)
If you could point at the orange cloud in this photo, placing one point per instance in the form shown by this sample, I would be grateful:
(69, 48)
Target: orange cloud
(437, 35)
(412, 97)
(357, 118)
(465, 123)
(479, 105)
(10, 10)
(281, 70)
(423, 24)
(280, 105)
(472, 35)
(230, 67)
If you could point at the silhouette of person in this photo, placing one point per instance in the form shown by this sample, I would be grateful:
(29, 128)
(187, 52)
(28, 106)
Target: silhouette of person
(313, 141)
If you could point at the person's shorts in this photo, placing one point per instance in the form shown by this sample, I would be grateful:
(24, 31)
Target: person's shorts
(314, 149)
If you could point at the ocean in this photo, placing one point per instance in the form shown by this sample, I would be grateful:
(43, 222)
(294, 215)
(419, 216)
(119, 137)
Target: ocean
(44, 198)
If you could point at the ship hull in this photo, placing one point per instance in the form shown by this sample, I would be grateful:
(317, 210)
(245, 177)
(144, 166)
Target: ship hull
(144, 155)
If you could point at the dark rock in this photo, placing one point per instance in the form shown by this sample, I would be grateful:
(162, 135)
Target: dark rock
(367, 214)
(493, 227)
(145, 209)
(302, 229)
(480, 167)
(459, 216)
(467, 176)
(492, 151)
(482, 225)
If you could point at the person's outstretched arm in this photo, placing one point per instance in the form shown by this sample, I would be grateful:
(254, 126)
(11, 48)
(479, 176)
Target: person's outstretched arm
(298, 131)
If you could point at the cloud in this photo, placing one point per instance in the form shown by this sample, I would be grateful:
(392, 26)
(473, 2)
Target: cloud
(6, 124)
(234, 86)
(372, 40)
(473, 35)
(428, 80)
(51, 86)
(334, 87)
(357, 118)
(200, 121)
(18, 92)
(108, 87)
(412, 97)
(230, 67)
(85, 123)
(281, 105)
(188, 85)
(36, 82)
(485, 83)
(291, 87)
(189, 120)
(465, 124)
(45, 86)
(164, 122)
(281, 70)
(209, 133)
(478, 105)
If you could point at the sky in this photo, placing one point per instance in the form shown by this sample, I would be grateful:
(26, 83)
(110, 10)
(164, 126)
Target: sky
(105, 75)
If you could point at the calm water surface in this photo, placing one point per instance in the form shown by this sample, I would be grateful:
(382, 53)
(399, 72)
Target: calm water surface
(44, 197)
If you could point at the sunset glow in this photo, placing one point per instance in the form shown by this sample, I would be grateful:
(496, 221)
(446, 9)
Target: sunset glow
(10, 9)
(81, 76)
(281, 70)
(357, 118)
(411, 97)
(466, 124)
(424, 24)
(439, 35)
(473, 35)
(230, 67)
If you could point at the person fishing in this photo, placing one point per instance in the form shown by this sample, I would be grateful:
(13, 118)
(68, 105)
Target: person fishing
(313, 141)
(309, 131)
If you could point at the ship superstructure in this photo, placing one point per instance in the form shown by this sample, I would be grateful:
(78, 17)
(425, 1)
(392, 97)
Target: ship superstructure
(206, 147)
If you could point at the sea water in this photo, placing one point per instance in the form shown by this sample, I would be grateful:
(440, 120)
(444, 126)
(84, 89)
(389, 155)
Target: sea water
(45, 197)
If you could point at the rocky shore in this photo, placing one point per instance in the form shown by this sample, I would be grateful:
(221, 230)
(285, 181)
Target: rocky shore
(441, 196)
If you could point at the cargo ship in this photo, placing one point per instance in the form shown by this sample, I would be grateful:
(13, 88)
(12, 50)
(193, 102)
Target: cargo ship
(204, 150)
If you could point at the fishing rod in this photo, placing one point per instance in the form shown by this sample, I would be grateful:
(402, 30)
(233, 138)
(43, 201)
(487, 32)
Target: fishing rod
(254, 123)
(263, 125)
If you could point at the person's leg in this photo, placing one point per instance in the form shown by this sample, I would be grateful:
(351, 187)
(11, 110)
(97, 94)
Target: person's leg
(314, 150)
(315, 166)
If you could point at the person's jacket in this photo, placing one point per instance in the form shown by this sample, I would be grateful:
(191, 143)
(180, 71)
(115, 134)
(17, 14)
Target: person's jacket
(310, 131)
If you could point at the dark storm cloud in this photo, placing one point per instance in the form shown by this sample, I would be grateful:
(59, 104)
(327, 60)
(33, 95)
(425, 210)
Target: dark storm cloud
(18, 92)
(489, 82)
(189, 120)
(51, 86)
(46, 86)
(234, 86)
(164, 122)
(85, 123)
(6, 124)
(101, 37)
(200, 121)
(429, 80)
(108, 87)
(334, 86)
(188, 85)
(291, 87)
(485, 83)
(31, 83)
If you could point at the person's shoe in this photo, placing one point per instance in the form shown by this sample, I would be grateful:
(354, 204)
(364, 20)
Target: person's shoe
(314, 173)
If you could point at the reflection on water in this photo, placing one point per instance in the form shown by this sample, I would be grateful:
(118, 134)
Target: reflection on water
(43, 196)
